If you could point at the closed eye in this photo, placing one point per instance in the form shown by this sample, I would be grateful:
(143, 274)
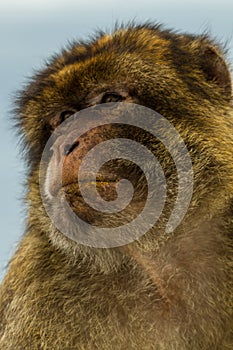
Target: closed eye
(112, 97)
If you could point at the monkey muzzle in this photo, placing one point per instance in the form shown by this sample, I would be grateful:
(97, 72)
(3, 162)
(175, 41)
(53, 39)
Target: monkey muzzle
(93, 192)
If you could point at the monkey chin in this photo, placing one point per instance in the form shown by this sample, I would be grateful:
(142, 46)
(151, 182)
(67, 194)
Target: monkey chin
(108, 260)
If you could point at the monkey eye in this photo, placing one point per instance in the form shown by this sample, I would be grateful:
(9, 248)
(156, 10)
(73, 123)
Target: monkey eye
(111, 97)
(60, 118)
(65, 114)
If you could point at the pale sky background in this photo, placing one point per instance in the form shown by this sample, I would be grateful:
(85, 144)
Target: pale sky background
(30, 31)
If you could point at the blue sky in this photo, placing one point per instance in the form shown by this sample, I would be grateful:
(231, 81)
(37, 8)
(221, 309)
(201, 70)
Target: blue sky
(30, 31)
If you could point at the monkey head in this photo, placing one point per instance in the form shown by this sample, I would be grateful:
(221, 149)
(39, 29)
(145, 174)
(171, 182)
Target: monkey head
(184, 78)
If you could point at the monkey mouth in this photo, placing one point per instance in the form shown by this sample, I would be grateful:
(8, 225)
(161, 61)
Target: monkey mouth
(88, 183)
(102, 180)
(90, 180)
(104, 198)
(92, 211)
(106, 188)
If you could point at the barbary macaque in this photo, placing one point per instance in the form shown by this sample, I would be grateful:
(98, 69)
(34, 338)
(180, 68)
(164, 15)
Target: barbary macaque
(162, 290)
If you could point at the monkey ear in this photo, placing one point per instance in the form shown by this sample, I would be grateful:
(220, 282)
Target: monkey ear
(216, 69)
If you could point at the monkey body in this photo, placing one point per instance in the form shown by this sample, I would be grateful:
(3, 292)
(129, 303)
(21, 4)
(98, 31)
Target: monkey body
(149, 309)
(163, 291)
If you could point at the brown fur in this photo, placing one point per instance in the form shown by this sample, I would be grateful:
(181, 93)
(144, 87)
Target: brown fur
(165, 291)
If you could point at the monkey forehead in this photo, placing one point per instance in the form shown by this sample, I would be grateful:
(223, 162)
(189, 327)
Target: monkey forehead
(106, 59)
(107, 67)
(140, 39)
(144, 42)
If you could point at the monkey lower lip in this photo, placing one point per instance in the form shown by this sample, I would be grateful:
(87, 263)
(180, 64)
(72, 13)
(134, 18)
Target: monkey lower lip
(74, 187)
(90, 182)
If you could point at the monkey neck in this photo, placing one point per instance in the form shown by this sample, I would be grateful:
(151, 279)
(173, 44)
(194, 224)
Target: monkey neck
(188, 249)
(185, 241)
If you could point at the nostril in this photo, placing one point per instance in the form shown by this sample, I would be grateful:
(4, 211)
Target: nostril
(69, 148)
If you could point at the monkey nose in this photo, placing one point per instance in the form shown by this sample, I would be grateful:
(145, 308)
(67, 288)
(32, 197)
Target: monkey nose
(69, 148)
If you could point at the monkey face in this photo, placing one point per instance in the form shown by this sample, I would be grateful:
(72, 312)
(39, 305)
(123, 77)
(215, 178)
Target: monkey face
(108, 141)
(183, 78)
